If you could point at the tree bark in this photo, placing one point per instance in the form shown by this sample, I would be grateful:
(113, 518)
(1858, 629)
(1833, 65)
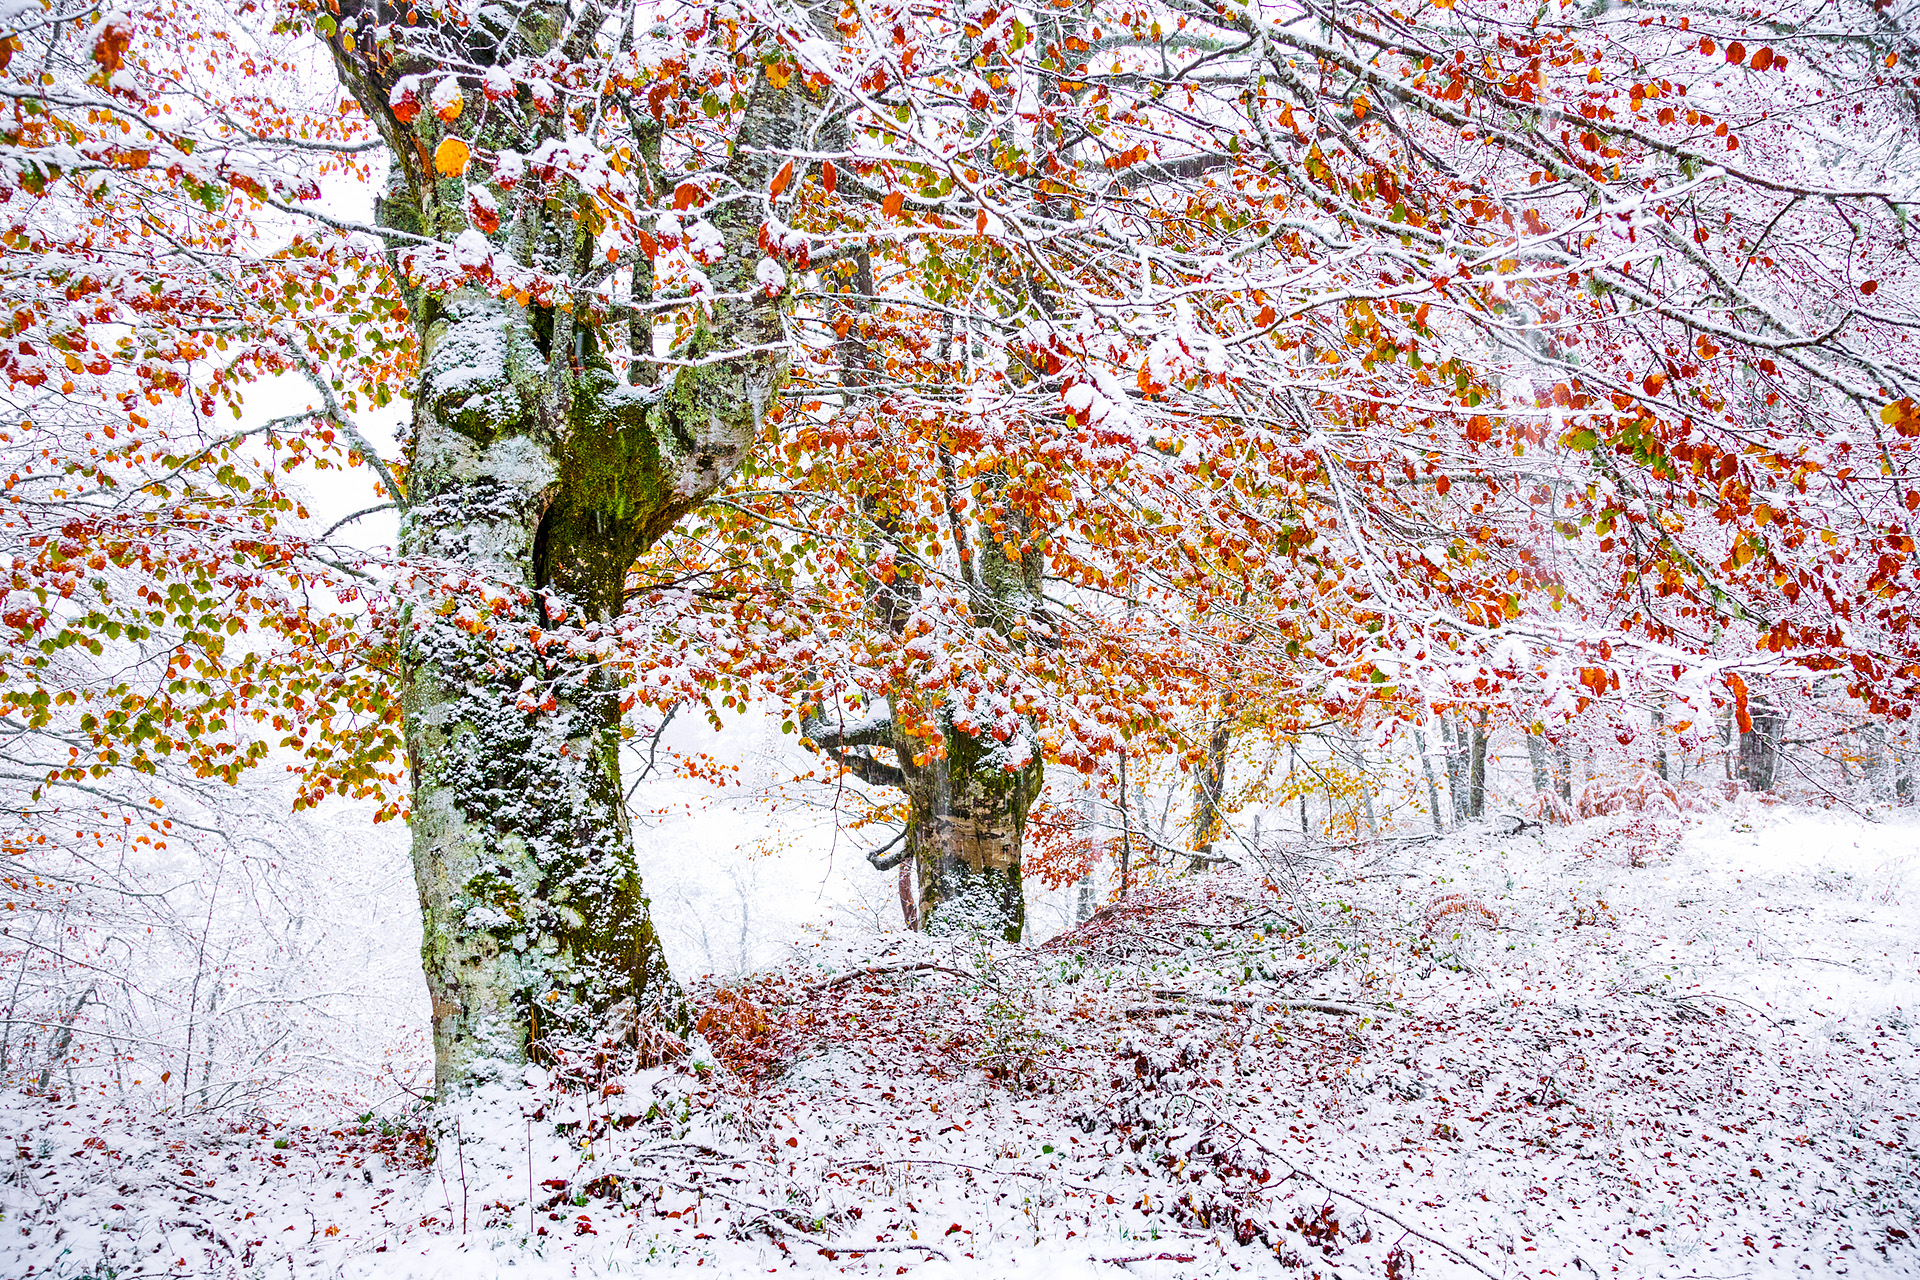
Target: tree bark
(536, 469)
(1426, 767)
(1760, 746)
(966, 820)
(1477, 778)
(1209, 784)
(1537, 758)
(1453, 747)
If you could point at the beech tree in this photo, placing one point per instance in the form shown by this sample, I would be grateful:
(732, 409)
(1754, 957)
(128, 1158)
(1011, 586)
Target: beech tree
(1430, 361)
(1480, 410)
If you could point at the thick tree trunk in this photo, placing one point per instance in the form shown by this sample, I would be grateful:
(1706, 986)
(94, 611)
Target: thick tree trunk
(966, 819)
(536, 471)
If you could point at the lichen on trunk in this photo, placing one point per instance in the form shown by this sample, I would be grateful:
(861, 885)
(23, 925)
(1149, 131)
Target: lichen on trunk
(966, 821)
(536, 475)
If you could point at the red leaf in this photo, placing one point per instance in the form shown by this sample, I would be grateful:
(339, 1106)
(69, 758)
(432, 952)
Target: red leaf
(829, 176)
(782, 178)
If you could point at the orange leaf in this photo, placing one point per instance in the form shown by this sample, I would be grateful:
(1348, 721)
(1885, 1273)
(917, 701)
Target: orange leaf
(111, 47)
(450, 158)
(1762, 60)
(894, 203)
(1739, 687)
(782, 178)
(829, 176)
(684, 195)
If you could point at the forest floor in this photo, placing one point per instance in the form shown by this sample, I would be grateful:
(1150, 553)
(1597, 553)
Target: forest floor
(1634, 1046)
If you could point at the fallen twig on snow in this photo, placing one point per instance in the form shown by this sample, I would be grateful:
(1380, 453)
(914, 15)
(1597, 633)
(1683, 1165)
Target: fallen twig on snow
(882, 970)
(1268, 1002)
(1344, 1194)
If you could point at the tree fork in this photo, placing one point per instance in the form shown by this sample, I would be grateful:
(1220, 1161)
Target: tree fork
(534, 466)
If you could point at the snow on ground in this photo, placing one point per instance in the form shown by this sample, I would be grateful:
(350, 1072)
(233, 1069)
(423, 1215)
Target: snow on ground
(1635, 1047)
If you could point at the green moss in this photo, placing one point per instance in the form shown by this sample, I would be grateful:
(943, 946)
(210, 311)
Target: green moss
(611, 493)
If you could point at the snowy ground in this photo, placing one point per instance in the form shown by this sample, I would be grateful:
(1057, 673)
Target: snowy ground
(1632, 1047)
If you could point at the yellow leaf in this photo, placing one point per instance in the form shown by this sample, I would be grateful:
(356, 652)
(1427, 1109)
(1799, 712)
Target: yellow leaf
(450, 159)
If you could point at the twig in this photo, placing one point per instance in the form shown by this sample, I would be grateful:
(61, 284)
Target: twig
(1311, 1006)
(877, 970)
(1333, 1190)
(772, 1217)
(1174, 1011)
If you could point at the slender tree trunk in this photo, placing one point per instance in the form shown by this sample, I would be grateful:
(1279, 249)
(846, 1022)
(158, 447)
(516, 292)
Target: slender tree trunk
(1209, 785)
(1876, 764)
(63, 1038)
(909, 908)
(1433, 788)
(1453, 746)
(1563, 770)
(1727, 745)
(1903, 758)
(1477, 781)
(536, 469)
(1537, 757)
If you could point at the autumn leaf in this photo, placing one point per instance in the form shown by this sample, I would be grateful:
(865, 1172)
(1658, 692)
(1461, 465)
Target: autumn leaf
(450, 158)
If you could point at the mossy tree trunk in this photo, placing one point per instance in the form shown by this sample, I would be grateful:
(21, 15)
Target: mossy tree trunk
(534, 467)
(968, 794)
